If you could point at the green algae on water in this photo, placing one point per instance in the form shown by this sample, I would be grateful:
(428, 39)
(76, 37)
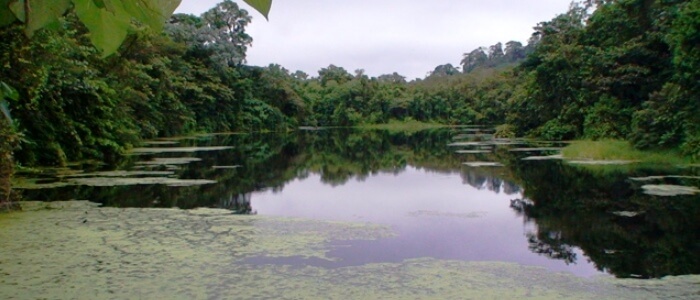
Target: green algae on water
(79, 250)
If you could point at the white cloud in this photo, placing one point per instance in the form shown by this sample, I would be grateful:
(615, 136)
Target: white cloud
(382, 36)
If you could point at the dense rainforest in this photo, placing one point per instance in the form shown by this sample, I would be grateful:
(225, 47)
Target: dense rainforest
(621, 69)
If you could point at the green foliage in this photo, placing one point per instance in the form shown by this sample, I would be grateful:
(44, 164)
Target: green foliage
(107, 20)
(620, 150)
(8, 92)
(505, 131)
(604, 119)
(619, 72)
(556, 130)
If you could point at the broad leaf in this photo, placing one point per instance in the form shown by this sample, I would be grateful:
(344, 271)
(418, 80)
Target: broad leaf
(107, 29)
(263, 6)
(110, 21)
(6, 15)
(152, 13)
(42, 13)
(8, 92)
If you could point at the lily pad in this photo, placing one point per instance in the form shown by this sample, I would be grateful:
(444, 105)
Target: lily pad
(476, 164)
(627, 214)
(122, 174)
(38, 183)
(547, 157)
(669, 190)
(505, 142)
(157, 150)
(468, 144)
(466, 136)
(602, 162)
(35, 184)
(472, 151)
(540, 149)
(652, 178)
(154, 143)
(162, 161)
(226, 167)
(310, 128)
(112, 181)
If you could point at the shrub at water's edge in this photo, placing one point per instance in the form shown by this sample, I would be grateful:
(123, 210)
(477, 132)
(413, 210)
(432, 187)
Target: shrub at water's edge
(620, 150)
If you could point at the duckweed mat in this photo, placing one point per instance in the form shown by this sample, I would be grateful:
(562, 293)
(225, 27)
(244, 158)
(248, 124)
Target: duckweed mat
(77, 250)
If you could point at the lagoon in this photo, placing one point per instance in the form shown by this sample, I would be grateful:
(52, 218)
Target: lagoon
(433, 199)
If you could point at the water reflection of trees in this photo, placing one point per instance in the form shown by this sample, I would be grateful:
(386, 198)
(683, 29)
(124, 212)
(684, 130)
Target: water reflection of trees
(569, 207)
(577, 207)
(269, 161)
(484, 178)
(238, 204)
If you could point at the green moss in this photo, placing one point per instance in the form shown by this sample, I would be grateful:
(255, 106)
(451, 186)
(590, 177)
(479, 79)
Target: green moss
(605, 150)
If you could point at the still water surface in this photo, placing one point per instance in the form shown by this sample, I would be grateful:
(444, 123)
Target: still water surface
(448, 194)
(433, 214)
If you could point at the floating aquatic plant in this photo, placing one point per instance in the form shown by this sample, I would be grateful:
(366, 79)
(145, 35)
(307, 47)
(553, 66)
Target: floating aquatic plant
(668, 190)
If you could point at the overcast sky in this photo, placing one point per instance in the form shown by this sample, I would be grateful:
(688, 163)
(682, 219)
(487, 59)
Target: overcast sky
(410, 37)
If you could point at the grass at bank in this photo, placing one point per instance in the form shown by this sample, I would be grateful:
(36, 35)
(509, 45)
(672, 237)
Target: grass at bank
(621, 150)
(407, 125)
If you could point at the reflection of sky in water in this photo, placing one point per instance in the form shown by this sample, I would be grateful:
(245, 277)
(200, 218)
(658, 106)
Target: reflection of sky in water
(434, 215)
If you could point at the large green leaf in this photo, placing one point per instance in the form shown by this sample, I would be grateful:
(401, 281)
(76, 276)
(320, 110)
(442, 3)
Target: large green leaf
(263, 6)
(42, 13)
(110, 20)
(153, 13)
(6, 91)
(107, 20)
(6, 15)
(108, 29)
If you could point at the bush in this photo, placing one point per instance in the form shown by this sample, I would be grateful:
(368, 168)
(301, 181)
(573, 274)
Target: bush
(505, 131)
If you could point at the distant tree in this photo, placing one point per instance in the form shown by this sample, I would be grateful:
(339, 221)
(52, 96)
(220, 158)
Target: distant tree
(301, 75)
(444, 71)
(391, 78)
(474, 59)
(496, 54)
(514, 51)
(334, 73)
(223, 32)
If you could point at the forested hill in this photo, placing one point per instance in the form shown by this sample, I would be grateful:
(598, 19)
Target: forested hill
(630, 70)
(605, 69)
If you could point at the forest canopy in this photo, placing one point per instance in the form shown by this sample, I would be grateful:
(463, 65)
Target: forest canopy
(622, 69)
